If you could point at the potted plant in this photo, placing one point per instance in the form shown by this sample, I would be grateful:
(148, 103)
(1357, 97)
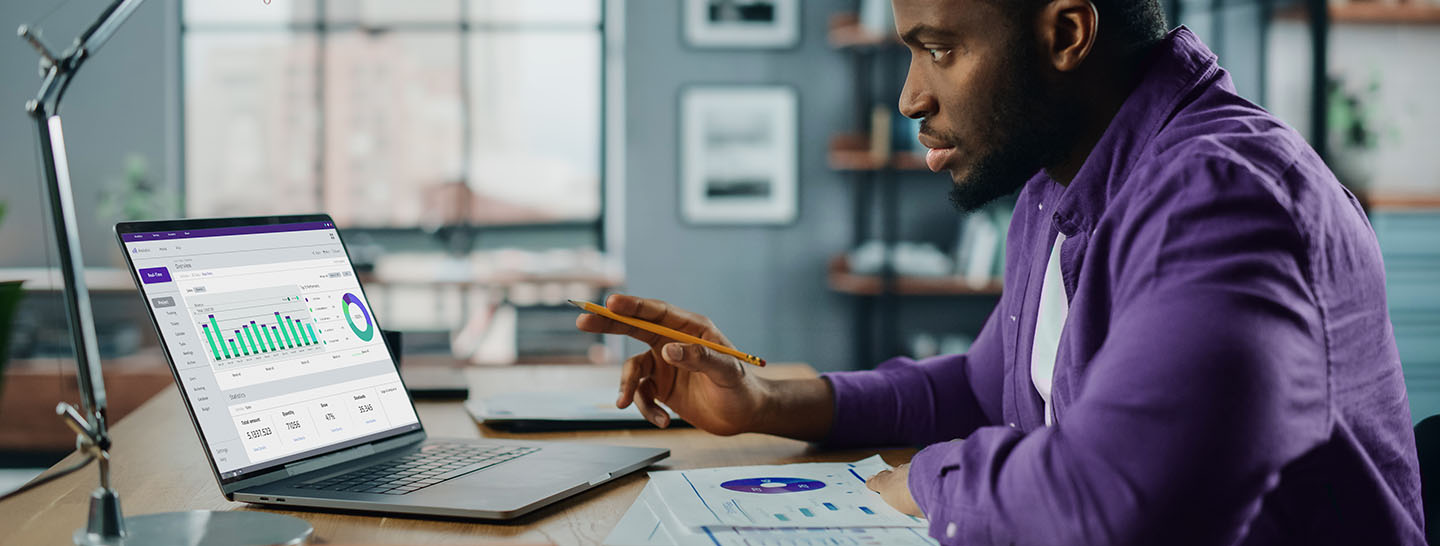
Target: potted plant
(135, 195)
(1355, 131)
(10, 294)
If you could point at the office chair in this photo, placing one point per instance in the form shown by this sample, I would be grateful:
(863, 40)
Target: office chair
(1427, 447)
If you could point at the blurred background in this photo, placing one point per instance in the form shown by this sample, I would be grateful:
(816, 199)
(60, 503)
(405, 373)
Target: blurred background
(487, 159)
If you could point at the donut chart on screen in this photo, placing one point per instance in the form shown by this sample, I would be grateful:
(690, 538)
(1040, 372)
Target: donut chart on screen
(773, 485)
(368, 332)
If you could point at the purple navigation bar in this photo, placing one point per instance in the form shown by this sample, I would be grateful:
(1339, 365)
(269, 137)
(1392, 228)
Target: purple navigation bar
(152, 275)
(217, 232)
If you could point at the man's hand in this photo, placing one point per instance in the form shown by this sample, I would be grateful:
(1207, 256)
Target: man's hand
(710, 390)
(713, 391)
(894, 487)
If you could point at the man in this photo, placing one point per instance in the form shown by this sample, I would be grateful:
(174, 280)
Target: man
(1192, 346)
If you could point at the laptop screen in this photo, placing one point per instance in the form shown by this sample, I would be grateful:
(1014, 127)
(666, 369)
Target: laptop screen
(274, 344)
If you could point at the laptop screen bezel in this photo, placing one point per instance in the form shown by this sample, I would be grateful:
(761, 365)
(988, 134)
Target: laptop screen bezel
(229, 484)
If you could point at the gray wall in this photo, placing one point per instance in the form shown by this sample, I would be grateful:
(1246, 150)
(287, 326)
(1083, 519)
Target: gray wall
(122, 104)
(764, 286)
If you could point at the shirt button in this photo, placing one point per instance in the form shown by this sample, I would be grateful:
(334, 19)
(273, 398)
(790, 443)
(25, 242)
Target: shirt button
(950, 530)
(1012, 318)
(1012, 425)
(1042, 206)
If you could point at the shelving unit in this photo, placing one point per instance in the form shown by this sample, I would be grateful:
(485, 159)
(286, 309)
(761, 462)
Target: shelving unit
(1411, 13)
(875, 178)
(846, 33)
(842, 280)
(851, 152)
(1400, 200)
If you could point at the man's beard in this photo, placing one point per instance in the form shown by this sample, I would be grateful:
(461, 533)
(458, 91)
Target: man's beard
(1028, 132)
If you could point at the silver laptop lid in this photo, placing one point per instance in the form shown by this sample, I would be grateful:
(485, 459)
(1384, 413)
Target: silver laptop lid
(274, 345)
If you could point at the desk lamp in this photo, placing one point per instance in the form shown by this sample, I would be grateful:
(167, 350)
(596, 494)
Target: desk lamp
(107, 525)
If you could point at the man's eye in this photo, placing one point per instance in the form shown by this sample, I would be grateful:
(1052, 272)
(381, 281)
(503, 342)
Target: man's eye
(937, 53)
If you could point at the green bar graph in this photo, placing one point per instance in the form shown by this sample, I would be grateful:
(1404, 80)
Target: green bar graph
(250, 338)
(280, 322)
(216, 326)
(213, 348)
(238, 324)
(299, 341)
(256, 330)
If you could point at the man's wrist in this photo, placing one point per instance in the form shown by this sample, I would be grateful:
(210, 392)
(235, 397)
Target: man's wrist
(765, 407)
(802, 409)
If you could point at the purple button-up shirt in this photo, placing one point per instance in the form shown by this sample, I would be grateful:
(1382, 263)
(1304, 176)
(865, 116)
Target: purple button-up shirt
(1227, 373)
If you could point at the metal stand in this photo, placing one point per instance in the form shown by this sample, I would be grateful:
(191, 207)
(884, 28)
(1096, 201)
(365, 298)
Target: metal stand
(106, 523)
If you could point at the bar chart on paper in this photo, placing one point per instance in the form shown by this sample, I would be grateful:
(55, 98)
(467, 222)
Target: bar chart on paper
(255, 326)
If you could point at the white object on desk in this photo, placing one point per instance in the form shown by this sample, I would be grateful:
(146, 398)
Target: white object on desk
(577, 406)
(795, 495)
(651, 521)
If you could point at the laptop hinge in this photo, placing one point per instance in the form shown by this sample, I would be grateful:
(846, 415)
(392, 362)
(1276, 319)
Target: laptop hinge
(297, 468)
(357, 452)
(324, 461)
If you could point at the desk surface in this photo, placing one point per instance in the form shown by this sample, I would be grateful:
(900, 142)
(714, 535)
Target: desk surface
(158, 466)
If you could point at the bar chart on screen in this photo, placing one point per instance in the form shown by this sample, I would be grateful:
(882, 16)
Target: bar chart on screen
(257, 326)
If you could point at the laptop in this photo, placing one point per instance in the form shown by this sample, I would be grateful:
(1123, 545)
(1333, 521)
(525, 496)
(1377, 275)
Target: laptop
(293, 391)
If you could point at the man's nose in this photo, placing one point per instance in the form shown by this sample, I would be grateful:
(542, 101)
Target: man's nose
(916, 102)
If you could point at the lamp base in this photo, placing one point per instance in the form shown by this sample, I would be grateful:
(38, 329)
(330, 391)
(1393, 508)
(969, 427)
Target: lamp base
(205, 528)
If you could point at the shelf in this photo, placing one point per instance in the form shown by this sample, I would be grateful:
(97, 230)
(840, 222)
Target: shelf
(851, 152)
(1376, 12)
(843, 281)
(1393, 200)
(846, 33)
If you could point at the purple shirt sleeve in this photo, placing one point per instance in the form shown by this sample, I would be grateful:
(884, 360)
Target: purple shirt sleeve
(1210, 379)
(903, 401)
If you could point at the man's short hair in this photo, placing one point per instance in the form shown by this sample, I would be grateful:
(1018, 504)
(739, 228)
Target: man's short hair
(1129, 25)
(1133, 25)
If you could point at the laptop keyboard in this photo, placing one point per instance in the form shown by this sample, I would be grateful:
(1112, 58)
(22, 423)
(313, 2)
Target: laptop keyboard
(434, 463)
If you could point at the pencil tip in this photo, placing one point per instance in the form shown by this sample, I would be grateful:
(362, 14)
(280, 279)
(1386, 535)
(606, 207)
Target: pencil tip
(575, 303)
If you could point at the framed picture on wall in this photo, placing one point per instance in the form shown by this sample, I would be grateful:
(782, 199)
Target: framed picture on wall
(751, 24)
(738, 147)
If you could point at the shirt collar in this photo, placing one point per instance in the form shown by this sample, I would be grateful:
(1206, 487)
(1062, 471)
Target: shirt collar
(1172, 69)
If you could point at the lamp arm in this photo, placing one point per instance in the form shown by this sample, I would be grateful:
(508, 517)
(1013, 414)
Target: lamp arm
(43, 109)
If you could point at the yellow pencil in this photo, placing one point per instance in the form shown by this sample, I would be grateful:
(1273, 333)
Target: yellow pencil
(667, 332)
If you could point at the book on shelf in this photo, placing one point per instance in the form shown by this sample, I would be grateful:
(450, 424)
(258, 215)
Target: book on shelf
(980, 247)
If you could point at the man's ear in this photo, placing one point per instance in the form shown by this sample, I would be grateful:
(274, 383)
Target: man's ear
(1067, 30)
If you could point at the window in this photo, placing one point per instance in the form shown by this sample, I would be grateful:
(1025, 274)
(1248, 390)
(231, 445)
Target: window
(395, 114)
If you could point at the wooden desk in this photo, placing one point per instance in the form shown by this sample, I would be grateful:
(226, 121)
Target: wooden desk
(158, 466)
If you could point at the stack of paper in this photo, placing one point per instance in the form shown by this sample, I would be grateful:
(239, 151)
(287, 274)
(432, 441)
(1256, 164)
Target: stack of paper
(810, 503)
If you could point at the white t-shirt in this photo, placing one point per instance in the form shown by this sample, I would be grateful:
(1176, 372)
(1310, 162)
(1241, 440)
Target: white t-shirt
(1049, 322)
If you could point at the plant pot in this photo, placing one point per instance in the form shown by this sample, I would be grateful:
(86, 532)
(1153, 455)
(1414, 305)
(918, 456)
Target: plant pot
(1355, 167)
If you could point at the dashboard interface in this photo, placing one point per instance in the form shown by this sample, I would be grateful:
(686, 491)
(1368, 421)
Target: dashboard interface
(272, 340)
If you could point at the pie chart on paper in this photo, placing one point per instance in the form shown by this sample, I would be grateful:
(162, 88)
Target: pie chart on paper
(771, 486)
